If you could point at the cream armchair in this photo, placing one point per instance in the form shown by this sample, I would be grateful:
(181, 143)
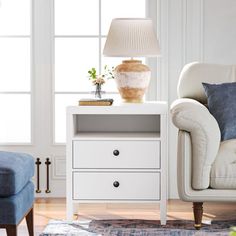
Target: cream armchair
(206, 166)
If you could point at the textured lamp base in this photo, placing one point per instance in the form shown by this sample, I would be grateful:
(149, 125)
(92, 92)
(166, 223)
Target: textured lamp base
(132, 79)
(127, 100)
(133, 95)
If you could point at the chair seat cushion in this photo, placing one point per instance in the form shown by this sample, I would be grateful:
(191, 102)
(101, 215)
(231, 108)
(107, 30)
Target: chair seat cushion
(15, 207)
(223, 172)
(16, 169)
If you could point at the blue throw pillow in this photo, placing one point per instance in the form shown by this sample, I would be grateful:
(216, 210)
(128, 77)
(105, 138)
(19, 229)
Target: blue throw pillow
(221, 100)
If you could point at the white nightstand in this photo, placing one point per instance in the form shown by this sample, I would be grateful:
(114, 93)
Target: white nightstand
(117, 154)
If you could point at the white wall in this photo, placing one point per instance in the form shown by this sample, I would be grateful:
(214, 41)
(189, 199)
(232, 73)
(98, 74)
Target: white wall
(198, 30)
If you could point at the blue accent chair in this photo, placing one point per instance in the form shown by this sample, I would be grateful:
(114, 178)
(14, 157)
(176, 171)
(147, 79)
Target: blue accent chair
(16, 191)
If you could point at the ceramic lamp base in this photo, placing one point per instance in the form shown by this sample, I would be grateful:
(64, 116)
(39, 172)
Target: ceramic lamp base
(133, 95)
(132, 79)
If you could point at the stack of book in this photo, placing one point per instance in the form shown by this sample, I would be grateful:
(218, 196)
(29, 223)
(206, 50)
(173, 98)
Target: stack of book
(95, 102)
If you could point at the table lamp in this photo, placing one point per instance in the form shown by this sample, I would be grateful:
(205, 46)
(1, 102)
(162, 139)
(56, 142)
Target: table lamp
(132, 37)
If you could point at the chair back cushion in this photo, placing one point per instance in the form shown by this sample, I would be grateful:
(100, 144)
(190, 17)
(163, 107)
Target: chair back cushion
(222, 105)
(193, 74)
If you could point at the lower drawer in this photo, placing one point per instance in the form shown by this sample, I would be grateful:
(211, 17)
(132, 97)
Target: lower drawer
(116, 186)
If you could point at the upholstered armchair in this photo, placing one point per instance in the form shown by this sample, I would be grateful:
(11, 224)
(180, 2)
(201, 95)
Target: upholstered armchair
(16, 191)
(206, 166)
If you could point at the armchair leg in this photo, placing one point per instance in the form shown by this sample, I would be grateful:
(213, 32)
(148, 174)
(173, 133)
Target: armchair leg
(11, 230)
(197, 211)
(30, 222)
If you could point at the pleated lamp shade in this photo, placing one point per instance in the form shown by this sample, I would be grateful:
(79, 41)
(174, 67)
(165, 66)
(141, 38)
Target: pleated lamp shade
(131, 37)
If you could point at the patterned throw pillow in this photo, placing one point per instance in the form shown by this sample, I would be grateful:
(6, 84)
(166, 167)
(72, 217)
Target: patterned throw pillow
(221, 100)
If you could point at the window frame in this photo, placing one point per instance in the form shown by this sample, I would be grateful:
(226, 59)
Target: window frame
(31, 81)
(150, 11)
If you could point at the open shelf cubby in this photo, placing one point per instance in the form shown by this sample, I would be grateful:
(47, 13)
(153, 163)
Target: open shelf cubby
(117, 126)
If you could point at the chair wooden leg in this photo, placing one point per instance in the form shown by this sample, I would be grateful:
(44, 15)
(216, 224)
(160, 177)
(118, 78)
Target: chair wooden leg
(197, 211)
(30, 222)
(11, 230)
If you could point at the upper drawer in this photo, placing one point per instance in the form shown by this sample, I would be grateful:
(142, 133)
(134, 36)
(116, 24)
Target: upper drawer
(116, 154)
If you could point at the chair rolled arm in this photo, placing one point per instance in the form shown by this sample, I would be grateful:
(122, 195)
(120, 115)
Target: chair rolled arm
(192, 116)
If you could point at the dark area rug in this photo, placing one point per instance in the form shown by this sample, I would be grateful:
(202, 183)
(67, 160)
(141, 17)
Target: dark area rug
(135, 228)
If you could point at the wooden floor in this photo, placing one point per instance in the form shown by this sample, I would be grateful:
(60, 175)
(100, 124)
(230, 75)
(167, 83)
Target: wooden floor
(46, 209)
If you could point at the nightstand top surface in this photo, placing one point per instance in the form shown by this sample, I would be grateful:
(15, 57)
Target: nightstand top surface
(152, 107)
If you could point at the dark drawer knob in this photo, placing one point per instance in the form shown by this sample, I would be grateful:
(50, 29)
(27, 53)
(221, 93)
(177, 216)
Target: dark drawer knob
(116, 152)
(116, 184)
